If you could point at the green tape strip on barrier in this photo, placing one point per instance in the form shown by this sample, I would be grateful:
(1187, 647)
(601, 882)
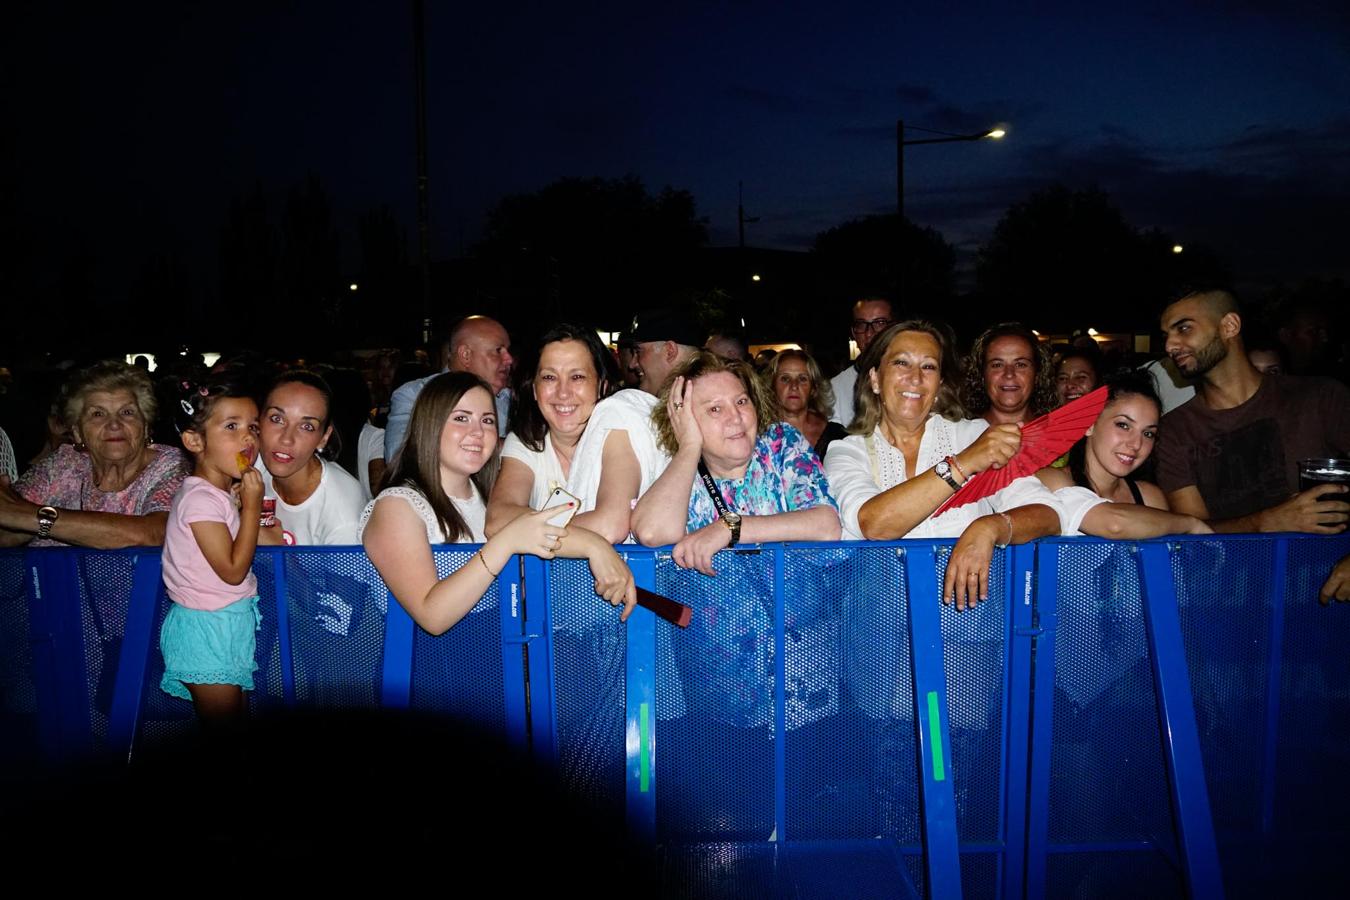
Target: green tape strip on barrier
(935, 736)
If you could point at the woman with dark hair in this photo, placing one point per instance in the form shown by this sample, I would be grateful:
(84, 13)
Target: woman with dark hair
(1097, 487)
(1008, 376)
(805, 397)
(910, 450)
(318, 502)
(438, 494)
(573, 373)
(112, 487)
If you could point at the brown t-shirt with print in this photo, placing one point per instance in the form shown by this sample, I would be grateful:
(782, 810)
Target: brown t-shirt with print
(1245, 459)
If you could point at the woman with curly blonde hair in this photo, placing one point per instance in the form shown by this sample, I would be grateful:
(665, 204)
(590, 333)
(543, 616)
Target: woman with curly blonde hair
(1009, 376)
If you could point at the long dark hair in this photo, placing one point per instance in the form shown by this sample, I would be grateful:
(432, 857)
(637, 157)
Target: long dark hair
(530, 426)
(418, 465)
(1121, 383)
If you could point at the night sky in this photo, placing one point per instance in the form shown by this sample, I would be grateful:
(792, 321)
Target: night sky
(130, 127)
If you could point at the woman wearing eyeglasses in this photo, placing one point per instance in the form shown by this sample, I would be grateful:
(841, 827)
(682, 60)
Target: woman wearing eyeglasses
(870, 318)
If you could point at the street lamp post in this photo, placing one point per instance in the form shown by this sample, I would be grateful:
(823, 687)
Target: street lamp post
(945, 137)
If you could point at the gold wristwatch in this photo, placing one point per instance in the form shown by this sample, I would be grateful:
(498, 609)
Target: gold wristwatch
(46, 516)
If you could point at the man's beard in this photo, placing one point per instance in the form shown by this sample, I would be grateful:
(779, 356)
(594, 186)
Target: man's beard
(1207, 357)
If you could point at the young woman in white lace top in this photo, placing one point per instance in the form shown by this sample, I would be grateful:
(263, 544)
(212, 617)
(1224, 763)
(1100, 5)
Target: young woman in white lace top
(437, 492)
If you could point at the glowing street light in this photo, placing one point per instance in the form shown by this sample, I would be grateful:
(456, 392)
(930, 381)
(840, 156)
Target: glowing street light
(1177, 248)
(754, 278)
(353, 286)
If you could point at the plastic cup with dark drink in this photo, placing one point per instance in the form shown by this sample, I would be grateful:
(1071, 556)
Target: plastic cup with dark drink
(1315, 472)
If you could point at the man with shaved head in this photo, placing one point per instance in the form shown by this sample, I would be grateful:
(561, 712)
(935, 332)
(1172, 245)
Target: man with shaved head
(476, 344)
(1230, 455)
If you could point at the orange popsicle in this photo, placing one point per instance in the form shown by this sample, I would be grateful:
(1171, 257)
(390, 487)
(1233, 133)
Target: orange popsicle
(242, 459)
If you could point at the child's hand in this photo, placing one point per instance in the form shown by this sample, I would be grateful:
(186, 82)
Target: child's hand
(271, 536)
(531, 533)
(250, 492)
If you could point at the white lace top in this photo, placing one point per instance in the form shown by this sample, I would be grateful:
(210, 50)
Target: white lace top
(474, 511)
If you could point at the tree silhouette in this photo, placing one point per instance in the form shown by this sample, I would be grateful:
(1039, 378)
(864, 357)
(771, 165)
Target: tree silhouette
(593, 247)
(880, 256)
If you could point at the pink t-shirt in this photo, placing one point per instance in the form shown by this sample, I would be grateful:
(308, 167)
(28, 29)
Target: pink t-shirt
(189, 578)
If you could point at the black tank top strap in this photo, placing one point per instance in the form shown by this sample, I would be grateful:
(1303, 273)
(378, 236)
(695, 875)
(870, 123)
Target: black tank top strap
(1134, 491)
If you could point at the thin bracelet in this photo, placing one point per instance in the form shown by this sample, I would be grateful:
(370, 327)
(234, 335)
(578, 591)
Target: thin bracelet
(957, 466)
(483, 560)
(1007, 518)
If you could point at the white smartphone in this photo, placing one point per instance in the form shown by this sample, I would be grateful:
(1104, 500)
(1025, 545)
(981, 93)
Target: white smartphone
(560, 498)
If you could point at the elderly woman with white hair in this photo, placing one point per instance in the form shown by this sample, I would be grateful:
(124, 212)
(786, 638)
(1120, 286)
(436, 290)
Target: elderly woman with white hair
(112, 487)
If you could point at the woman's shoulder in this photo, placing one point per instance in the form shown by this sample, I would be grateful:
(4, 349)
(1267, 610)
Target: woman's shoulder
(169, 460)
(410, 496)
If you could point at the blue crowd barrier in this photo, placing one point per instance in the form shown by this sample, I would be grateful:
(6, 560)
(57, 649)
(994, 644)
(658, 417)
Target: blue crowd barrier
(1162, 717)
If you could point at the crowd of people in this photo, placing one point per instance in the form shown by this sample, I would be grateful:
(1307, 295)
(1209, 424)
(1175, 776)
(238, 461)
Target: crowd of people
(674, 437)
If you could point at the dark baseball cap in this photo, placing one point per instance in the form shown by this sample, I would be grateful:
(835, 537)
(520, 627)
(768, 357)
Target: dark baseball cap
(665, 325)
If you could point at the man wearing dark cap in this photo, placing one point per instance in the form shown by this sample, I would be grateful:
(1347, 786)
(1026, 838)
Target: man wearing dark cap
(665, 338)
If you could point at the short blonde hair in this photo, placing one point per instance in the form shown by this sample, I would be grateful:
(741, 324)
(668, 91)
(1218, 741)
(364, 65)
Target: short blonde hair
(107, 376)
(822, 394)
(867, 405)
(705, 362)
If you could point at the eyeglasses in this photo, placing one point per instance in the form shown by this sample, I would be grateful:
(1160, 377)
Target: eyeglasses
(863, 326)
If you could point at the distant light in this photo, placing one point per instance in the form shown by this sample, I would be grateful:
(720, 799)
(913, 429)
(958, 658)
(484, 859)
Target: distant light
(1093, 332)
(1035, 332)
(996, 133)
(754, 278)
(742, 322)
(352, 286)
(1177, 248)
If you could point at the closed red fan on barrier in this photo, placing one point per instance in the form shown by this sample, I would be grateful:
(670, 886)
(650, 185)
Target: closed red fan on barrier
(1043, 441)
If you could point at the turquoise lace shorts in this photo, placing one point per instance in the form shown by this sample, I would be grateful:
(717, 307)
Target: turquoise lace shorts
(209, 647)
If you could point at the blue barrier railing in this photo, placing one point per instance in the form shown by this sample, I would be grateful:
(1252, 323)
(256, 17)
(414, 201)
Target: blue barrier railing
(1167, 717)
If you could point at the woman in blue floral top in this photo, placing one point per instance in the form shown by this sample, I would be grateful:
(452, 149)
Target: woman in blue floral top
(717, 413)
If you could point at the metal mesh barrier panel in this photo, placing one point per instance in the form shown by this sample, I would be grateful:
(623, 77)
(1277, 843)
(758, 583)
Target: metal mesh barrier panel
(850, 748)
(18, 694)
(104, 581)
(1224, 600)
(337, 603)
(1108, 781)
(715, 771)
(459, 673)
(589, 653)
(974, 649)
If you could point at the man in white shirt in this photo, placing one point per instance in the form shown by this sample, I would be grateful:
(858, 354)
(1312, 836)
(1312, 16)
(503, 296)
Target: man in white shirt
(871, 316)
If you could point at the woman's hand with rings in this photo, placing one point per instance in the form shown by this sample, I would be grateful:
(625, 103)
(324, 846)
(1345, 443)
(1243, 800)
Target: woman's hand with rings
(679, 407)
(967, 579)
(696, 549)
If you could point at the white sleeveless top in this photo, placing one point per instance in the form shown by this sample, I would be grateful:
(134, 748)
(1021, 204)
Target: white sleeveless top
(474, 511)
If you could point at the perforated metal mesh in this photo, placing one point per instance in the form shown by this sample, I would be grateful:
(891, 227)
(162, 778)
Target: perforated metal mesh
(589, 658)
(974, 646)
(1127, 875)
(852, 772)
(1224, 599)
(336, 602)
(1107, 776)
(268, 692)
(18, 697)
(715, 770)
(1313, 749)
(459, 673)
(105, 593)
(163, 719)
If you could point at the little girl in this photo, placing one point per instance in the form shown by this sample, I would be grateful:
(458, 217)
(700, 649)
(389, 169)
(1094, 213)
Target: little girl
(208, 637)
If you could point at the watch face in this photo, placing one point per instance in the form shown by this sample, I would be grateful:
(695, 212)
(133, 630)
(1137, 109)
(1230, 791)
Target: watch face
(943, 469)
(733, 518)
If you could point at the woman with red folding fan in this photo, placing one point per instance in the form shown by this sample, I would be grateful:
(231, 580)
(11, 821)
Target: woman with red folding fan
(1097, 488)
(910, 451)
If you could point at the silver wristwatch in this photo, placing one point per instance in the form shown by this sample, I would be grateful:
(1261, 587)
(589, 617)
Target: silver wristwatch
(46, 516)
(943, 470)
